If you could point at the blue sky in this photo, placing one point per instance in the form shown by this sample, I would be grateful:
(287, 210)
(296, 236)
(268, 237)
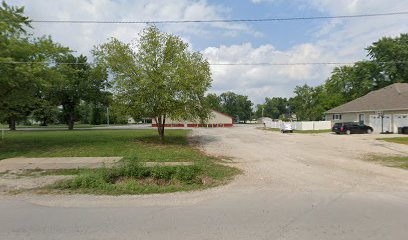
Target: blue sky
(333, 40)
(282, 36)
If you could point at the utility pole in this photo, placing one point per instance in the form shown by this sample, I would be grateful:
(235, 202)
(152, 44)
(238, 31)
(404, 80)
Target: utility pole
(107, 115)
(2, 132)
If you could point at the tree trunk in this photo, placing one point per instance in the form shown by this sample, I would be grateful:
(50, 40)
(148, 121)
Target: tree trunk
(160, 121)
(44, 122)
(71, 117)
(12, 124)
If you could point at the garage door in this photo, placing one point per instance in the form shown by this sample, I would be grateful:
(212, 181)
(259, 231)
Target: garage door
(400, 120)
(375, 123)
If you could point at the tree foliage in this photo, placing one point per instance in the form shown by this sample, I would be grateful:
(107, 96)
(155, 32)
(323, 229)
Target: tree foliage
(159, 78)
(21, 85)
(75, 81)
(388, 65)
(238, 106)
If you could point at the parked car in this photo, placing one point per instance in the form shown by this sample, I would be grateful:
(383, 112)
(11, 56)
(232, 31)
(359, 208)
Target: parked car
(351, 127)
(286, 127)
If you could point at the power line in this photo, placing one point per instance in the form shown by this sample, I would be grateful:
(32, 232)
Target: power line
(229, 64)
(219, 20)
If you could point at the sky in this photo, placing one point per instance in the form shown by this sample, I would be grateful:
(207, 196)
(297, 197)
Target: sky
(327, 40)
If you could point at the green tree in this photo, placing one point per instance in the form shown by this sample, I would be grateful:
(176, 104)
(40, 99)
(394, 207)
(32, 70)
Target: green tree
(160, 78)
(350, 82)
(391, 55)
(77, 81)
(213, 101)
(236, 105)
(45, 112)
(275, 107)
(259, 110)
(21, 85)
(307, 103)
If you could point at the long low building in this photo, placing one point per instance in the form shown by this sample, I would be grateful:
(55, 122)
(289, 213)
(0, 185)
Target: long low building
(217, 119)
(385, 110)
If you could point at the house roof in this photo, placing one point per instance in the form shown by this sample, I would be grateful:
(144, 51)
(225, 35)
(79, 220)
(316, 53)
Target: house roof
(392, 97)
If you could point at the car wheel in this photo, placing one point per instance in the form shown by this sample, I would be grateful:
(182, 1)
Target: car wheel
(348, 132)
(369, 131)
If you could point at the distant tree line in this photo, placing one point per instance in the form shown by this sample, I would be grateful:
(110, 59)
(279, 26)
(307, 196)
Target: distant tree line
(64, 90)
(388, 64)
(238, 106)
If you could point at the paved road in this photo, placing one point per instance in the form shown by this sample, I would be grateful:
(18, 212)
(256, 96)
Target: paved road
(294, 187)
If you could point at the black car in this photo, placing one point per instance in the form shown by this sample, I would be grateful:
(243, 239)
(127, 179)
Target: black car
(351, 127)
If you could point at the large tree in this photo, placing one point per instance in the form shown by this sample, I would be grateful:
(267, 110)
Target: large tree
(236, 105)
(23, 76)
(275, 107)
(391, 55)
(159, 78)
(77, 80)
(213, 101)
(307, 103)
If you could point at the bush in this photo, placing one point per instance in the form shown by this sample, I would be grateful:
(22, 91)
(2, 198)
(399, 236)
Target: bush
(107, 178)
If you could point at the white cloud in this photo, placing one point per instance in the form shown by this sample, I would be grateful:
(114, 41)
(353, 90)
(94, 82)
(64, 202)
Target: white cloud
(264, 81)
(336, 40)
(82, 37)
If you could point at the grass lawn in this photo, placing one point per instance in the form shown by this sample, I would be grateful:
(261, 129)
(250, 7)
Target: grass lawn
(131, 176)
(66, 126)
(298, 131)
(400, 162)
(390, 161)
(401, 140)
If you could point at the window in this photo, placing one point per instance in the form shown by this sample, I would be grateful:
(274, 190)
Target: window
(336, 116)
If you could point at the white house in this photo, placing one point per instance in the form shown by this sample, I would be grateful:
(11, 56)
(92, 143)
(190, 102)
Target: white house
(385, 110)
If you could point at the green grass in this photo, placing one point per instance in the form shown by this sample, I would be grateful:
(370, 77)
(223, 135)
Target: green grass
(131, 176)
(390, 161)
(400, 140)
(66, 126)
(143, 144)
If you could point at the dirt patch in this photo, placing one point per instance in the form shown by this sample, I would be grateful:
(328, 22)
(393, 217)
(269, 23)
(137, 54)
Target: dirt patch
(13, 164)
(13, 182)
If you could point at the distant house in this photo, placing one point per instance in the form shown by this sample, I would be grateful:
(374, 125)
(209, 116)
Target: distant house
(217, 119)
(385, 109)
(131, 120)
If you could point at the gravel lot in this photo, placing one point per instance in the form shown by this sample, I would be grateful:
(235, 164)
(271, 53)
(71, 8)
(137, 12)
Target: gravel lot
(307, 162)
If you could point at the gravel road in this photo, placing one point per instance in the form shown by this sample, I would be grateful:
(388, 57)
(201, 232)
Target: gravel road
(294, 186)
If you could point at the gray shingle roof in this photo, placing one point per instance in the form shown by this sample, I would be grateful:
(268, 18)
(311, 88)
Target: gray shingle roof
(392, 97)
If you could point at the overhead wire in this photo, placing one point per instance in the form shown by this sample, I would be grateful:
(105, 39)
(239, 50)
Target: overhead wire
(275, 19)
(227, 64)
(220, 21)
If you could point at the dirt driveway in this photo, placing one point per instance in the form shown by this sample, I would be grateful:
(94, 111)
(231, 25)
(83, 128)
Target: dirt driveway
(306, 162)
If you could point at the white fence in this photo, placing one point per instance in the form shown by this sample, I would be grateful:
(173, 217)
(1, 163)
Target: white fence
(306, 125)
